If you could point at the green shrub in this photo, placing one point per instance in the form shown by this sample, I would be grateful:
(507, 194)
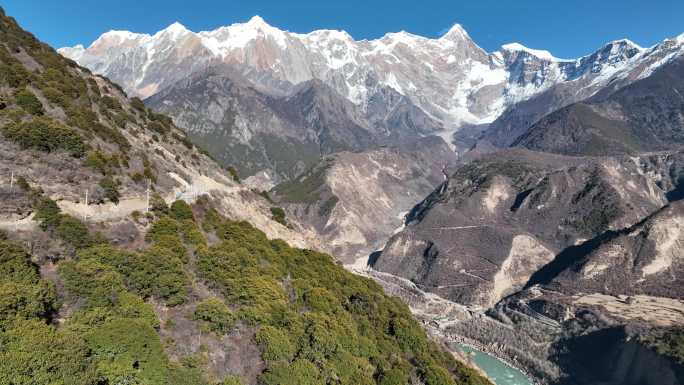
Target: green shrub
(36, 353)
(56, 97)
(158, 205)
(408, 334)
(300, 372)
(157, 127)
(23, 294)
(667, 341)
(191, 233)
(73, 232)
(215, 316)
(275, 344)
(232, 380)
(164, 226)
(29, 102)
(128, 351)
(436, 375)
(155, 272)
(101, 162)
(23, 184)
(45, 134)
(47, 213)
(111, 103)
(184, 140)
(120, 119)
(138, 104)
(14, 75)
(173, 244)
(278, 215)
(160, 118)
(109, 134)
(89, 279)
(394, 376)
(181, 211)
(233, 174)
(110, 186)
(25, 301)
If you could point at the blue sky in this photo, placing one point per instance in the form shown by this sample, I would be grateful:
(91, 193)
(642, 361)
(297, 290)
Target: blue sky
(567, 28)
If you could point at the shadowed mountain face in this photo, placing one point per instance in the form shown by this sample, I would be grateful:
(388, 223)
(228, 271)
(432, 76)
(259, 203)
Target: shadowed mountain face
(284, 135)
(647, 115)
(517, 119)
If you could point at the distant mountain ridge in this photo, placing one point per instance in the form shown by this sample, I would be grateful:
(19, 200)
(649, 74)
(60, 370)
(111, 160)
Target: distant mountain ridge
(451, 78)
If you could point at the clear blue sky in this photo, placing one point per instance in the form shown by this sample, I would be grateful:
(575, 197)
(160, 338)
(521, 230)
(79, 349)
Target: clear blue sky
(567, 28)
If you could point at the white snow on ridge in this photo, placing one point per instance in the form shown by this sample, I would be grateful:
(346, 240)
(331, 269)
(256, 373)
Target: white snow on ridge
(223, 39)
(542, 54)
(450, 78)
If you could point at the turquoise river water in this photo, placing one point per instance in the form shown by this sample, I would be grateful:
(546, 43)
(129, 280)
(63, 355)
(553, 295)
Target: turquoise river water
(497, 370)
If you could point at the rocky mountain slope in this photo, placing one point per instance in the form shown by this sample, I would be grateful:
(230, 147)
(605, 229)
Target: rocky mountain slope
(647, 115)
(629, 63)
(96, 291)
(283, 135)
(565, 260)
(357, 200)
(482, 226)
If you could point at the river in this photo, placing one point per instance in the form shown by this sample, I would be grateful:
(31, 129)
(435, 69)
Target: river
(497, 370)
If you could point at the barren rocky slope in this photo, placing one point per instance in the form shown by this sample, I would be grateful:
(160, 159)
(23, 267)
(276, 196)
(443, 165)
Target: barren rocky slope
(481, 226)
(357, 200)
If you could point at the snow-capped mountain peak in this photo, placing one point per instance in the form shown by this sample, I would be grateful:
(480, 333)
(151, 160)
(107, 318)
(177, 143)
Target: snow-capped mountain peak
(114, 37)
(450, 78)
(175, 30)
(541, 54)
(456, 32)
(258, 22)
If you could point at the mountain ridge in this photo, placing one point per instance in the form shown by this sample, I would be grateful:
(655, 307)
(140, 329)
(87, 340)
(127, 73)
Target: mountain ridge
(451, 78)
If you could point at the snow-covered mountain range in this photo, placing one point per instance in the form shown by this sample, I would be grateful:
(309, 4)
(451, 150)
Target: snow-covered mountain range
(451, 78)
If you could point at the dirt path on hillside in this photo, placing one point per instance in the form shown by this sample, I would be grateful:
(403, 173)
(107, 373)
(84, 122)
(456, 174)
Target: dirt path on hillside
(188, 192)
(24, 224)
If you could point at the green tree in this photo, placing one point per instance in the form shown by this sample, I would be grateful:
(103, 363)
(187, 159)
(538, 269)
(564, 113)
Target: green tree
(47, 213)
(128, 351)
(275, 344)
(45, 134)
(29, 102)
(73, 232)
(300, 372)
(34, 353)
(214, 316)
(181, 211)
